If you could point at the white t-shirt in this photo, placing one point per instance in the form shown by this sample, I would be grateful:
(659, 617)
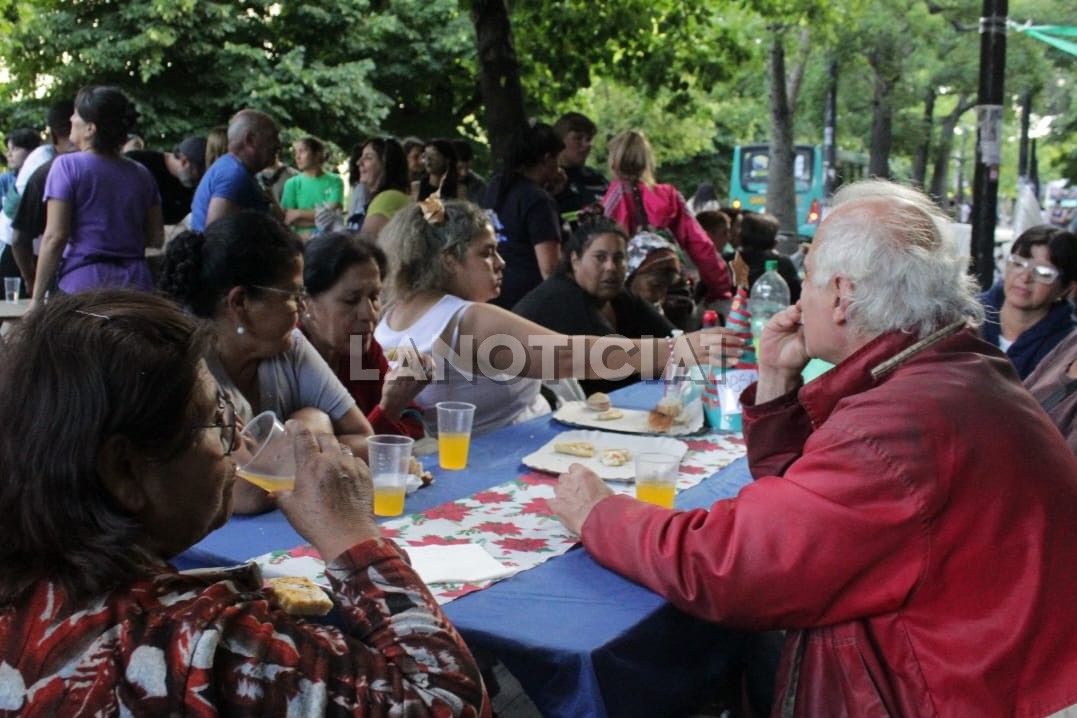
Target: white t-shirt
(499, 401)
(296, 379)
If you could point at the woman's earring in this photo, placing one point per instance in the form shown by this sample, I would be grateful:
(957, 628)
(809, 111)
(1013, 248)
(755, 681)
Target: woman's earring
(306, 315)
(240, 330)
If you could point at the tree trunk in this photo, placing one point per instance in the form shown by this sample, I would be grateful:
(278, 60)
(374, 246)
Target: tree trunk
(781, 192)
(882, 120)
(941, 169)
(923, 147)
(499, 72)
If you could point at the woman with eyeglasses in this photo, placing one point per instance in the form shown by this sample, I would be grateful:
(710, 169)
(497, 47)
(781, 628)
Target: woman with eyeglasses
(115, 457)
(1028, 312)
(244, 277)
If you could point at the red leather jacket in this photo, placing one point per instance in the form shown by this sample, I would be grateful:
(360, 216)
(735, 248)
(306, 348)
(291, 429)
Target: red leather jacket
(915, 533)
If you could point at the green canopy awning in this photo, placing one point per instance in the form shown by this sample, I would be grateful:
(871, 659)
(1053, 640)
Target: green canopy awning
(1051, 34)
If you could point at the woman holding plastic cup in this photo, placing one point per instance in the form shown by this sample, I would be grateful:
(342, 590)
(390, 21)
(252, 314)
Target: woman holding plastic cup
(444, 268)
(244, 277)
(117, 453)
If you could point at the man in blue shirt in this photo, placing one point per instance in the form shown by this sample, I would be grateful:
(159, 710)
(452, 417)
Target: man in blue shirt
(229, 185)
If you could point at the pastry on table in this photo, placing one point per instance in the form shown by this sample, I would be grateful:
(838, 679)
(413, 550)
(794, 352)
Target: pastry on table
(599, 401)
(659, 422)
(615, 457)
(575, 448)
(299, 596)
(610, 415)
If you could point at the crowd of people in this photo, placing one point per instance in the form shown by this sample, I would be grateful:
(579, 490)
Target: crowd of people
(890, 499)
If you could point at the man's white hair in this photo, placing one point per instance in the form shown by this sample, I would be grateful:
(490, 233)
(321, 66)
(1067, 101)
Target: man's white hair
(906, 267)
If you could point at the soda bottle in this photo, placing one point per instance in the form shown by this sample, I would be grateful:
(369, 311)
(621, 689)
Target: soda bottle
(769, 295)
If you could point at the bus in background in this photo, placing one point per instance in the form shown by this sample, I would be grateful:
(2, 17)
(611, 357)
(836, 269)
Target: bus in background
(748, 184)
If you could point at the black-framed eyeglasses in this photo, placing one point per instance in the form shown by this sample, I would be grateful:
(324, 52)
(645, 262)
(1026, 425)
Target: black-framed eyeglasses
(299, 296)
(225, 420)
(1040, 273)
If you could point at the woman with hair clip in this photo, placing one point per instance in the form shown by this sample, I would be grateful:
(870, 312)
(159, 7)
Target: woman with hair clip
(639, 203)
(530, 224)
(444, 268)
(382, 170)
(244, 278)
(587, 294)
(103, 210)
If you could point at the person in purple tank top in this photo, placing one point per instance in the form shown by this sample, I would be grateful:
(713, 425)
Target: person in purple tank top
(103, 210)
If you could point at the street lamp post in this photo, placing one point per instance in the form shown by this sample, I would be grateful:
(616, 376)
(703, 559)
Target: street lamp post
(988, 139)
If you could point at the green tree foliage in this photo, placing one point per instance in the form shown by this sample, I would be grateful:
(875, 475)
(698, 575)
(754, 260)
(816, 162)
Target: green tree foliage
(338, 68)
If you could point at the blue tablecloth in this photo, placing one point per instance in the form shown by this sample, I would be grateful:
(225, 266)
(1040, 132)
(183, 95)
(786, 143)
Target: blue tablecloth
(581, 640)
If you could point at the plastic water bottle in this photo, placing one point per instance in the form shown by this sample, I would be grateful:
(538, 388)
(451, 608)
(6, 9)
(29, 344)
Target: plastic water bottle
(769, 295)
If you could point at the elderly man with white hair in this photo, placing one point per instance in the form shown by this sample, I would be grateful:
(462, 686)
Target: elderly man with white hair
(911, 524)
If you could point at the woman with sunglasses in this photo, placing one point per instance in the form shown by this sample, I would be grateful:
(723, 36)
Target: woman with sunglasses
(1028, 312)
(134, 467)
(244, 277)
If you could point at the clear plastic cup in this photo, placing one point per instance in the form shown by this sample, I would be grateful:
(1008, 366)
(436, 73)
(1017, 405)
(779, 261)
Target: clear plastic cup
(12, 288)
(656, 478)
(454, 433)
(389, 456)
(271, 465)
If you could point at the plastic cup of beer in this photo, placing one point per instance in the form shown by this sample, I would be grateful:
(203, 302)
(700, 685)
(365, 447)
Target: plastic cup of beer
(12, 287)
(454, 433)
(656, 478)
(271, 465)
(389, 458)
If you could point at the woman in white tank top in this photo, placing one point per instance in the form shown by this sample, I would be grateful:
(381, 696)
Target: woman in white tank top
(443, 268)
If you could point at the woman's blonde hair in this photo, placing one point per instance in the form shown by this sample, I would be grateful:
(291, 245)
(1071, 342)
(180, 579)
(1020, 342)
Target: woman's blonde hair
(414, 246)
(632, 158)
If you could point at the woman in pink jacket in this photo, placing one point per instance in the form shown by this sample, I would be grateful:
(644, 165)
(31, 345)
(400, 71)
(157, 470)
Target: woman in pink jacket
(632, 163)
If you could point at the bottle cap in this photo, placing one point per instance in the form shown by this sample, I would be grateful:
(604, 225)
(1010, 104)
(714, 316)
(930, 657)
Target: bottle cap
(771, 265)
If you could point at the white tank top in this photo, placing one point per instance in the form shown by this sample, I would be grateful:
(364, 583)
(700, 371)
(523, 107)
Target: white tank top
(499, 401)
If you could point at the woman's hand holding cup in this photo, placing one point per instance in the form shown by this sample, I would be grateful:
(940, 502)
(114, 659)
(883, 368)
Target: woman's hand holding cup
(332, 502)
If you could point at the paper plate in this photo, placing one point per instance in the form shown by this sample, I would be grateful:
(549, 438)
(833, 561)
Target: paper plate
(546, 459)
(634, 421)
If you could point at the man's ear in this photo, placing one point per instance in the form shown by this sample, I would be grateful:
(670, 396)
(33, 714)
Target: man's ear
(120, 467)
(843, 290)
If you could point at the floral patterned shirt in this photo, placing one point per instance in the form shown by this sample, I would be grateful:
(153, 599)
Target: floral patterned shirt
(210, 642)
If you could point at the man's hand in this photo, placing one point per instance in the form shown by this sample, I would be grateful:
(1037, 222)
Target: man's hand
(576, 494)
(332, 503)
(782, 355)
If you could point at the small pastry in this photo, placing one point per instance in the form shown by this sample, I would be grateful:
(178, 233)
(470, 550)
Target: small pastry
(599, 401)
(611, 415)
(575, 448)
(615, 457)
(659, 422)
